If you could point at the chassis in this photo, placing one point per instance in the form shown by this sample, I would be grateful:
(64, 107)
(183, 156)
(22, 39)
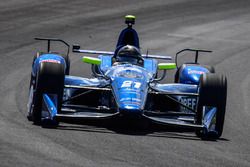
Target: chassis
(196, 100)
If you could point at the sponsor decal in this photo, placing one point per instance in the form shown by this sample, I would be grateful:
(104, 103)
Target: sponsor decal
(50, 61)
(128, 84)
(195, 72)
(131, 103)
(190, 102)
(130, 99)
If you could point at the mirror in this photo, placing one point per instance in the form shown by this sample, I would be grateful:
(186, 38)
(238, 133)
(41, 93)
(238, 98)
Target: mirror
(76, 47)
(166, 66)
(91, 60)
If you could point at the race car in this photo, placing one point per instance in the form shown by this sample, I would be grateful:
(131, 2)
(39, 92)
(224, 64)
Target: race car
(127, 84)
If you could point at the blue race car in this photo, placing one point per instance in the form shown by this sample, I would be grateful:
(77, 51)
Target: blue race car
(127, 84)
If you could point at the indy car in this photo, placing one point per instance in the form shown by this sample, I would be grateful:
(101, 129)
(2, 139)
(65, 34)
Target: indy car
(126, 83)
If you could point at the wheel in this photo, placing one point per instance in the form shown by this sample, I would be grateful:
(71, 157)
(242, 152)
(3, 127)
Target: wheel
(212, 93)
(49, 79)
(177, 74)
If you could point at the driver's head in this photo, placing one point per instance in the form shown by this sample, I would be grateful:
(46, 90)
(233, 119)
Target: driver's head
(129, 54)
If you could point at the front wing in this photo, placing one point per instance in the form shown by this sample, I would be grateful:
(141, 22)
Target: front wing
(72, 112)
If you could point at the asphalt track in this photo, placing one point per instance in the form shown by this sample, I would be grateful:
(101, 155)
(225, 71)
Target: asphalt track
(164, 27)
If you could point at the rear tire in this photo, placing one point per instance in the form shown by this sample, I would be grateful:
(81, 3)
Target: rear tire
(50, 80)
(213, 93)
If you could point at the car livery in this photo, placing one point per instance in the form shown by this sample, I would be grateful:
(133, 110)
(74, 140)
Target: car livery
(196, 99)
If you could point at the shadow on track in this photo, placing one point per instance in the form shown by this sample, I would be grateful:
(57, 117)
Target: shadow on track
(131, 127)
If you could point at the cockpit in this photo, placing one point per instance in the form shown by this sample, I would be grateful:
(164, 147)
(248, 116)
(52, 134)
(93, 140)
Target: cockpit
(128, 54)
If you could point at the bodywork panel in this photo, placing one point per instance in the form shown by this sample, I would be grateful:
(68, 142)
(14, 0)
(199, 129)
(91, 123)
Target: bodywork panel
(191, 74)
(128, 89)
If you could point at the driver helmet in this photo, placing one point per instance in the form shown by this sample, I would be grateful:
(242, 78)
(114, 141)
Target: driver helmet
(130, 54)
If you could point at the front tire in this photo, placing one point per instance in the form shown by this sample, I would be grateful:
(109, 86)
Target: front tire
(50, 80)
(212, 93)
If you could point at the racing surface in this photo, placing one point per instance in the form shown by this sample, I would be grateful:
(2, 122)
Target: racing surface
(164, 27)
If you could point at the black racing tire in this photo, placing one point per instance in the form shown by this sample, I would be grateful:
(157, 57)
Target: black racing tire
(213, 93)
(49, 79)
(67, 60)
(177, 74)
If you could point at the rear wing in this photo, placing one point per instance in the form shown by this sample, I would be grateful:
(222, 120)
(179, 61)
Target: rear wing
(76, 49)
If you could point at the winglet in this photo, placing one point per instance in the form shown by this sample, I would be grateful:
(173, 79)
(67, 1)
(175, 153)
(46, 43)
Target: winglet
(91, 60)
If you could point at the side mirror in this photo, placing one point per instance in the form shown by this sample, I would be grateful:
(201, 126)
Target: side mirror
(75, 47)
(91, 60)
(166, 66)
